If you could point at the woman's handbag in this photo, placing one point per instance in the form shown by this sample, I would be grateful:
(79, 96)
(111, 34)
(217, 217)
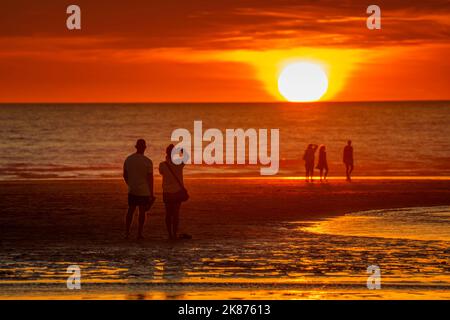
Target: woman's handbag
(180, 196)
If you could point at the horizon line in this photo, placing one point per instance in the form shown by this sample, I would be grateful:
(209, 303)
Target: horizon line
(224, 102)
(218, 177)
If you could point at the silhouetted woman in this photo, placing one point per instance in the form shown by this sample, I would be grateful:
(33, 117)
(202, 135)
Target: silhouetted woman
(173, 191)
(309, 161)
(322, 165)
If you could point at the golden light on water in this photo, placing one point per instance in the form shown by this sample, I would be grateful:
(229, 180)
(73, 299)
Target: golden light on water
(302, 82)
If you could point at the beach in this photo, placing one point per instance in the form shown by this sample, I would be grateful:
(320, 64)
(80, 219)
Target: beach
(312, 139)
(249, 240)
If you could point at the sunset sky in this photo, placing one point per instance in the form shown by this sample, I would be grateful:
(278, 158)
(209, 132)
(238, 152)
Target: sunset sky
(220, 50)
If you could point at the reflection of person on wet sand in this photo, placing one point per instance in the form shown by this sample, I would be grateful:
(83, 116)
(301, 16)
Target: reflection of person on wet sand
(322, 164)
(348, 160)
(308, 157)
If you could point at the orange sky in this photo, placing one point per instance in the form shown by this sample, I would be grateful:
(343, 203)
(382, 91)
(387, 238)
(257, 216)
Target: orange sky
(221, 50)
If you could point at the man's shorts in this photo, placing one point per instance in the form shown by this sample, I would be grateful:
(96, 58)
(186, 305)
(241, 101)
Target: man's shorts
(138, 200)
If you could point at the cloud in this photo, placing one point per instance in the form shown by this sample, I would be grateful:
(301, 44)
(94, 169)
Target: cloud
(215, 50)
(228, 24)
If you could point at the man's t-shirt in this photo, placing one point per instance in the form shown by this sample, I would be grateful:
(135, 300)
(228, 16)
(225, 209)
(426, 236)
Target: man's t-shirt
(138, 167)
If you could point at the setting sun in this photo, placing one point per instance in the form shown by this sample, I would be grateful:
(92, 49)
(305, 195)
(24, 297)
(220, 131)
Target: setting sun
(302, 82)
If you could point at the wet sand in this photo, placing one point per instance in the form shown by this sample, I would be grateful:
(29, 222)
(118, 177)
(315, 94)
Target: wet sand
(247, 242)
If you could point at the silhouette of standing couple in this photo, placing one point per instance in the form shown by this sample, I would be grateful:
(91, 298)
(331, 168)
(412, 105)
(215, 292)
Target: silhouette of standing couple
(322, 165)
(138, 175)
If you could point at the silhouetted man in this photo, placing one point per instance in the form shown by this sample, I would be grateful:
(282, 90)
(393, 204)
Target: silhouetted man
(348, 159)
(138, 174)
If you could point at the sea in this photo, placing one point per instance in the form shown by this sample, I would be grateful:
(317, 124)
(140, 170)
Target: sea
(91, 141)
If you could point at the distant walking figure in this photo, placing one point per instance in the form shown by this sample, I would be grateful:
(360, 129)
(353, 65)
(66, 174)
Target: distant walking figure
(348, 160)
(138, 175)
(173, 191)
(322, 165)
(309, 161)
